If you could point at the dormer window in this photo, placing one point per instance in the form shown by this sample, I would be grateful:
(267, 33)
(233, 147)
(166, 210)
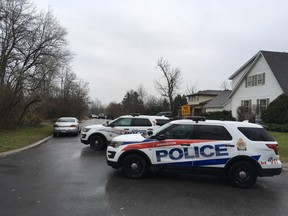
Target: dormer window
(255, 80)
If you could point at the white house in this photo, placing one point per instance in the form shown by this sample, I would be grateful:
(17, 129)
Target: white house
(197, 100)
(259, 81)
(219, 103)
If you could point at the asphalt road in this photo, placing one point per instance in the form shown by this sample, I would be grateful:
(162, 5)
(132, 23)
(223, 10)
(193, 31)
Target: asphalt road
(64, 177)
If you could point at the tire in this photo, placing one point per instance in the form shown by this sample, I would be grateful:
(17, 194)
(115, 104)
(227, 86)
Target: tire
(97, 143)
(134, 166)
(242, 175)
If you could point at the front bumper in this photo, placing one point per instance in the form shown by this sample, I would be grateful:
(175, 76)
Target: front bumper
(83, 139)
(113, 164)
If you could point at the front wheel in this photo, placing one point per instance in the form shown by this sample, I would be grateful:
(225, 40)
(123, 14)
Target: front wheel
(134, 166)
(97, 143)
(242, 174)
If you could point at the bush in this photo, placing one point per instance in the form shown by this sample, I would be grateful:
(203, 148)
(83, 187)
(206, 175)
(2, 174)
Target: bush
(277, 127)
(277, 111)
(220, 115)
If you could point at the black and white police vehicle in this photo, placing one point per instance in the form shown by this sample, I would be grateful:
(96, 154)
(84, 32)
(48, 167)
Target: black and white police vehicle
(239, 150)
(99, 136)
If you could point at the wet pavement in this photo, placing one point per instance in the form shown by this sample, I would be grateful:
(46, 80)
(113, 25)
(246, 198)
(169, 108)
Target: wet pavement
(64, 177)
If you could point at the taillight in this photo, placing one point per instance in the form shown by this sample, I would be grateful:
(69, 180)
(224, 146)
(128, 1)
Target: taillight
(73, 125)
(274, 147)
(55, 125)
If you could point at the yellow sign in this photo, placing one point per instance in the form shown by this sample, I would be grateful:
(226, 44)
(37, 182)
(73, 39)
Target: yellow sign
(185, 110)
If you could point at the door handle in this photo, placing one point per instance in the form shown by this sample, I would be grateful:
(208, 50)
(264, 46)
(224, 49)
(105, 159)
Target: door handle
(185, 144)
(126, 128)
(229, 145)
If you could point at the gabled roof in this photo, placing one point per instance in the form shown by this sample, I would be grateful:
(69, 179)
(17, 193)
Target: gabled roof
(219, 101)
(278, 63)
(206, 92)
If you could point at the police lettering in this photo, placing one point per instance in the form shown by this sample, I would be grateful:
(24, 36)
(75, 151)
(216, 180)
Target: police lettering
(205, 151)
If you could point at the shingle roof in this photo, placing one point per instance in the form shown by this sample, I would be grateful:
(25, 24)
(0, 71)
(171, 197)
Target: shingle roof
(278, 63)
(206, 92)
(219, 101)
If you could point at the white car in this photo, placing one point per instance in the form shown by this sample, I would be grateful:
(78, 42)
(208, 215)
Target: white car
(99, 136)
(240, 151)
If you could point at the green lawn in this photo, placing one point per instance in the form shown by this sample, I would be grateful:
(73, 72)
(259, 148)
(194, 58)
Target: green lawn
(282, 139)
(14, 139)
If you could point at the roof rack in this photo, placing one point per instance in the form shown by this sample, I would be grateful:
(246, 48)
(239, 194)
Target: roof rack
(135, 114)
(196, 118)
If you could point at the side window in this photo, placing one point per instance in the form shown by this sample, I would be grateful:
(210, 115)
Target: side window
(180, 132)
(141, 122)
(256, 134)
(211, 132)
(122, 122)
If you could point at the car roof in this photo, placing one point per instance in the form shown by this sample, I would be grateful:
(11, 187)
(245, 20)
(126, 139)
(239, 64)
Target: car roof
(143, 116)
(216, 122)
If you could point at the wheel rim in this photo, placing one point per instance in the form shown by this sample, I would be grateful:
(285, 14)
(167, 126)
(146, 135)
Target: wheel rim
(242, 176)
(97, 143)
(134, 166)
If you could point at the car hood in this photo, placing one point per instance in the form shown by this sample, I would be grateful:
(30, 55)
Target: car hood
(95, 126)
(129, 138)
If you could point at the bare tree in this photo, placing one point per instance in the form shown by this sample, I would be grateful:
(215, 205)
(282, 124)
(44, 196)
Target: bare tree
(172, 81)
(191, 90)
(142, 92)
(225, 85)
(33, 48)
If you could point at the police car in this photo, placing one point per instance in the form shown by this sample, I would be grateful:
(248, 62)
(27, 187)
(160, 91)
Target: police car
(98, 136)
(241, 151)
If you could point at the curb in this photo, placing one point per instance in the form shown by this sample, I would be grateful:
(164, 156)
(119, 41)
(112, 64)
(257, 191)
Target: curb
(4, 154)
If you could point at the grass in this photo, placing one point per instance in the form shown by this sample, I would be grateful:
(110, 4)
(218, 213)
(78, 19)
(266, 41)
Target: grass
(14, 139)
(282, 139)
(24, 136)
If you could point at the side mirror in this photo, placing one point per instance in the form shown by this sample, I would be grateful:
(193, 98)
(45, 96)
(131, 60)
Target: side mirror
(161, 137)
(149, 133)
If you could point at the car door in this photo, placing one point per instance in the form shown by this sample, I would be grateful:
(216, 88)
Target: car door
(173, 147)
(141, 125)
(121, 126)
(212, 147)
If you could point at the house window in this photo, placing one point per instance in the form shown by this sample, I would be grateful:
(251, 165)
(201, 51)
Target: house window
(255, 80)
(249, 81)
(261, 79)
(262, 105)
(246, 104)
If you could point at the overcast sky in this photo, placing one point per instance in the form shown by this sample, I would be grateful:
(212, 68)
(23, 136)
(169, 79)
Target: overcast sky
(117, 42)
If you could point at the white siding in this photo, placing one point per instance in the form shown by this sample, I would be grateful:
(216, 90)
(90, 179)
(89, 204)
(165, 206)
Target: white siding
(270, 90)
(239, 76)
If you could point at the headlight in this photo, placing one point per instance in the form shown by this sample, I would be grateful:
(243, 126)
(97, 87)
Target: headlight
(115, 144)
(86, 129)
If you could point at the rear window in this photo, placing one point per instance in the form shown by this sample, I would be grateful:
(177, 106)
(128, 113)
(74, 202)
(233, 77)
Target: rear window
(161, 122)
(256, 134)
(66, 120)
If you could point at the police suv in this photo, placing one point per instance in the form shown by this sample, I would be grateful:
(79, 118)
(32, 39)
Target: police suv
(241, 151)
(98, 136)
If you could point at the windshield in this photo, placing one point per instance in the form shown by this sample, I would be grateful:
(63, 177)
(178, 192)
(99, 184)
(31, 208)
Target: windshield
(162, 128)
